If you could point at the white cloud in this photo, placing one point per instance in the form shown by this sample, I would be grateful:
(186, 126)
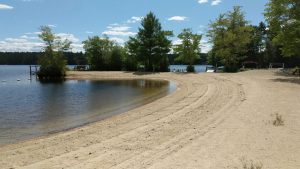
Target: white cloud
(216, 2)
(118, 30)
(29, 37)
(76, 47)
(15, 40)
(205, 45)
(117, 40)
(31, 43)
(68, 36)
(4, 6)
(135, 19)
(33, 33)
(202, 1)
(177, 42)
(177, 18)
(118, 33)
(20, 45)
(89, 32)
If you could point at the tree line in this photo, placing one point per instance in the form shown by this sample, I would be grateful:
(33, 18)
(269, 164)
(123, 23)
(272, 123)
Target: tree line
(150, 50)
(31, 58)
(234, 42)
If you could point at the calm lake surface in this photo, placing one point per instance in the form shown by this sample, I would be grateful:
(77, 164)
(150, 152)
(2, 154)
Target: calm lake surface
(29, 108)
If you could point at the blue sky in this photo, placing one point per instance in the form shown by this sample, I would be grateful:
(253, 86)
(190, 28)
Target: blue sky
(118, 19)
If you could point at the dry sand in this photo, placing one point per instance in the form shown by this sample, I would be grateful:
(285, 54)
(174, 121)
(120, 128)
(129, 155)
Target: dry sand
(210, 121)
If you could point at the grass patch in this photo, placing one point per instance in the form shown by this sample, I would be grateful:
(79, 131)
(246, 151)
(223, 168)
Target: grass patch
(278, 120)
(246, 164)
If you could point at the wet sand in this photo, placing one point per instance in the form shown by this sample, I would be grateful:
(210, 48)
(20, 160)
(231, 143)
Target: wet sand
(210, 121)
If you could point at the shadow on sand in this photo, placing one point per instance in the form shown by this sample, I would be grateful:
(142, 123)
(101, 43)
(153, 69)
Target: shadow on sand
(286, 78)
(295, 80)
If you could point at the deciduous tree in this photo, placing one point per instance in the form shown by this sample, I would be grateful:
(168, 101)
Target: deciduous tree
(189, 48)
(52, 63)
(230, 35)
(283, 17)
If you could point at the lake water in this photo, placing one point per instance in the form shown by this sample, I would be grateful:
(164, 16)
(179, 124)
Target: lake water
(198, 68)
(29, 108)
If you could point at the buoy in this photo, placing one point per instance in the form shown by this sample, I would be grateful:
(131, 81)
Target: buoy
(18, 80)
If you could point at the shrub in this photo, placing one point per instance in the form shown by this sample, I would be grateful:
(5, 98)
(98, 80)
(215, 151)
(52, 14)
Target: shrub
(278, 121)
(190, 68)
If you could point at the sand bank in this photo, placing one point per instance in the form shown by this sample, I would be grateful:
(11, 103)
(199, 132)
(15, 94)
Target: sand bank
(210, 121)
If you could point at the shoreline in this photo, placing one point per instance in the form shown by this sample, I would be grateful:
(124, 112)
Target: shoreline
(210, 121)
(116, 112)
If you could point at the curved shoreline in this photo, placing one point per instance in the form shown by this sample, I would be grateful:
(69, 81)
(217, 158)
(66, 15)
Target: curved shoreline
(210, 121)
(113, 112)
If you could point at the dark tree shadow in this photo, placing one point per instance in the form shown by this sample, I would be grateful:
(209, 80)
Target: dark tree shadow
(285, 73)
(141, 73)
(285, 76)
(295, 80)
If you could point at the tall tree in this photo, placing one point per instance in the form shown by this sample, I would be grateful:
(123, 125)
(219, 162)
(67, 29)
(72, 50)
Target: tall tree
(189, 49)
(230, 35)
(283, 17)
(52, 63)
(97, 51)
(151, 45)
(257, 45)
(117, 58)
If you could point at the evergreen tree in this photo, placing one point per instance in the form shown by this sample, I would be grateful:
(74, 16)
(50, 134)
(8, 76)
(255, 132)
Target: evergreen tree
(151, 45)
(257, 45)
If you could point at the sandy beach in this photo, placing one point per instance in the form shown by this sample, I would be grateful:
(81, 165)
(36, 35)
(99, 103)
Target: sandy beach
(210, 121)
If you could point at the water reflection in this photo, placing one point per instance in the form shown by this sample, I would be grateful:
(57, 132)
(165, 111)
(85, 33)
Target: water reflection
(30, 109)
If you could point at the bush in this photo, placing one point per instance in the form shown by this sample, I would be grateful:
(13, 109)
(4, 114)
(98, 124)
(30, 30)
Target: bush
(278, 120)
(52, 63)
(53, 66)
(190, 68)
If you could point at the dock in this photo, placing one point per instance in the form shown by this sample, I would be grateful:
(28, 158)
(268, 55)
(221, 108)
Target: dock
(33, 69)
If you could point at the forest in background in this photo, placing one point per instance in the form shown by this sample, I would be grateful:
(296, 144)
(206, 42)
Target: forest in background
(234, 42)
(31, 58)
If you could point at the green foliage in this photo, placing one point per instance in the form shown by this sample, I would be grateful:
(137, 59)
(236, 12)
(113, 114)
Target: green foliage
(31, 58)
(189, 49)
(283, 17)
(103, 54)
(151, 45)
(230, 35)
(190, 68)
(52, 63)
(257, 45)
(116, 59)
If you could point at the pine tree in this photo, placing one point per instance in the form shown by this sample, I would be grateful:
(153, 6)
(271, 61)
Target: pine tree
(151, 45)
